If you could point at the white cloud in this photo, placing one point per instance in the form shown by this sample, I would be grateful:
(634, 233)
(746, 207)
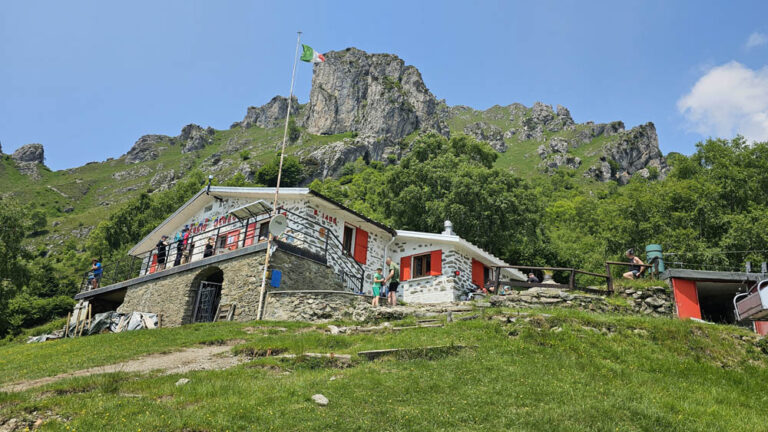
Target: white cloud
(729, 99)
(756, 39)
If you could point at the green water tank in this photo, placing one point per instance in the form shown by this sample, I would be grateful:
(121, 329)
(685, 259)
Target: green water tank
(654, 251)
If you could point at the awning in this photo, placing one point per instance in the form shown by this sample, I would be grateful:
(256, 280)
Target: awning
(251, 210)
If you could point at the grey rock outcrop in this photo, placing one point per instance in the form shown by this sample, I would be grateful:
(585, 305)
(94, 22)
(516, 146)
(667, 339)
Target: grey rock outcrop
(489, 133)
(145, 149)
(555, 155)
(373, 94)
(328, 160)
(636, 151)
(270, 115)
(195, 137)
(29, 153)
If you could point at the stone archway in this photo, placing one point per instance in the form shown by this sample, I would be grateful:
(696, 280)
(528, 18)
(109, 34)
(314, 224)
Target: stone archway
(206, 286)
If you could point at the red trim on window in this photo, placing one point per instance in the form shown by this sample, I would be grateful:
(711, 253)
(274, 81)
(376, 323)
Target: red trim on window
(232, 238)
(436, 263)
(405, 268)
(153, 267)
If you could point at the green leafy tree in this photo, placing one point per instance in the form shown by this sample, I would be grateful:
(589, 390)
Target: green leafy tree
(293, 172)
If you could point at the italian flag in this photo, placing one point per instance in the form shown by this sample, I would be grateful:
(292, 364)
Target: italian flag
(310, 55)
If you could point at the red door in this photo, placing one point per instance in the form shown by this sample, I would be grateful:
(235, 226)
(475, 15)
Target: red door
(686, 298)
(153, 267)
(478, 274)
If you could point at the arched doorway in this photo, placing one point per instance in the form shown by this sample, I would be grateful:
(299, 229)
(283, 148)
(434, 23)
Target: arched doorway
(208, 285)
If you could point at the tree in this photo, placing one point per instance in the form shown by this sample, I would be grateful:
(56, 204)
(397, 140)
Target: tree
(293, 172)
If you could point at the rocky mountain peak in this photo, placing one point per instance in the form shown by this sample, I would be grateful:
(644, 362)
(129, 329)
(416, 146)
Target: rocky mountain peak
(30, 153)
(145, 149)
(636, 151)
(372, 94)
(194, 137)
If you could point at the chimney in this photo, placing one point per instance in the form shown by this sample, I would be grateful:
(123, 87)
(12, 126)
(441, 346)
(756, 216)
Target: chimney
(448, 228)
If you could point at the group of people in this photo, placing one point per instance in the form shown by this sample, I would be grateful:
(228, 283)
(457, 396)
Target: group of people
(184, 248)
(392, 282)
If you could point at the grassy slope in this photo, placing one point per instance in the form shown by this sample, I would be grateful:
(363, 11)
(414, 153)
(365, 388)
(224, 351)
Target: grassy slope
(645, 374)
(521, 157)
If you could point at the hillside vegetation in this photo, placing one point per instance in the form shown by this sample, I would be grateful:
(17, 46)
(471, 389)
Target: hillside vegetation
(556, 371)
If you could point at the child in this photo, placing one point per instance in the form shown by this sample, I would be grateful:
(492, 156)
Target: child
(378, 278)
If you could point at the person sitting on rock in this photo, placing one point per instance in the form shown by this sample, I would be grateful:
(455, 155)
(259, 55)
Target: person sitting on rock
(635, 269)
(532, 278)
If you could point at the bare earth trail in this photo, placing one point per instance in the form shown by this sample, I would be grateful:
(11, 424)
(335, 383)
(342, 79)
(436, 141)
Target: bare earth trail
(214, 357)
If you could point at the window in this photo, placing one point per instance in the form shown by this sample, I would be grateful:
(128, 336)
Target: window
(349, 237)
(264, 231)
(422, 265)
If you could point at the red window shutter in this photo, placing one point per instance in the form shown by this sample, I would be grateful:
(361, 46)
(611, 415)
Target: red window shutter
(436, 262)
(361, 246)
(250, 232)
(405, 268)
(153, 268)
(478, 273)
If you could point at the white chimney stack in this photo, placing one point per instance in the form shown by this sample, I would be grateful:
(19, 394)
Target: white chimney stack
(448, 228)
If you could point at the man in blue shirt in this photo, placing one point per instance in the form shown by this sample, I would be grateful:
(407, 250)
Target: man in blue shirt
(96, 270)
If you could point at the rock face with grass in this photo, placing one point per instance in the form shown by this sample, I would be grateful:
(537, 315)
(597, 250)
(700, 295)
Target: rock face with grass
(33, 153)
(489, 133)
(635, 151)
(270, 115)
(194, 137)
(144, 149)
(373, 94)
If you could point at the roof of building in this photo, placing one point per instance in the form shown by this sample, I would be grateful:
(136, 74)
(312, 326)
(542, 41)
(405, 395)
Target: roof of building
(485, 257)
(195, 204)
(713, 276)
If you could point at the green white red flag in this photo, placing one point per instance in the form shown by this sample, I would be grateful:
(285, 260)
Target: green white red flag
(310, 55)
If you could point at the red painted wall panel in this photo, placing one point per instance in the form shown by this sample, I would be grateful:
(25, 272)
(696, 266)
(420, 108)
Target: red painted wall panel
(686, 298)
(761, 327)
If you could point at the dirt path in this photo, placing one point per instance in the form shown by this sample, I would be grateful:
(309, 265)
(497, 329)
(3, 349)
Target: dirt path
(192, 359)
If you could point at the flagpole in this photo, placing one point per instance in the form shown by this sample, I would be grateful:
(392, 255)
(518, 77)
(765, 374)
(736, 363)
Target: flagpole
(260, 312)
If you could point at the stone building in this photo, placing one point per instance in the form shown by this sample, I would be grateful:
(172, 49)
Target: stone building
(212, 258)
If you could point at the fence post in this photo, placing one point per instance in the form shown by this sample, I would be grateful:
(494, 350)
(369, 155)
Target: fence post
(572, 280)
(610, 277)
(115, 275)
(498, 279)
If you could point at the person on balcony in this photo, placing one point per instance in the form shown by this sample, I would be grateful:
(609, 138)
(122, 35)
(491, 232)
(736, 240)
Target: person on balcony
(179, 240)
(209, 247)
(96, 272)
(162, 252)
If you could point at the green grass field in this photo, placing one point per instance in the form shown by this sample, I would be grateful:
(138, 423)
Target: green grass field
(557, 370)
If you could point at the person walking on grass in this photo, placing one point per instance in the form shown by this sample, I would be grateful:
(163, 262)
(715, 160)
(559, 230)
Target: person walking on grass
(393, 279)
(378, 278)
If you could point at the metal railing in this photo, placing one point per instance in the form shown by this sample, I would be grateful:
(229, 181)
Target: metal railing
(302, 236)
(322, 241)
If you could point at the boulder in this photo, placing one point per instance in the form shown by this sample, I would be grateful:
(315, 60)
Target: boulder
(29, 153)
(195, 138)
(270, 115)
(145, 149)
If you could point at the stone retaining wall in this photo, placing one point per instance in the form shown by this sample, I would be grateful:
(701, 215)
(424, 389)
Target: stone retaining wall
(314, 305)
(655, 301)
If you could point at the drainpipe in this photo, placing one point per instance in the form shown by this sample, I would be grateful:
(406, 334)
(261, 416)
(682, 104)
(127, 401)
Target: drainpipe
(386, 250)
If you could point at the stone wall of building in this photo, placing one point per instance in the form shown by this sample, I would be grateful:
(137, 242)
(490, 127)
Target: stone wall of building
(175, 296)
(655, 301)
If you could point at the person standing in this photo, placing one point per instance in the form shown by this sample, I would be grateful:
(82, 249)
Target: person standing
(179, 240)
(97, 272)
(209, 247)
(378, 278)
(532, 278)
(393, 280)
(162, 251)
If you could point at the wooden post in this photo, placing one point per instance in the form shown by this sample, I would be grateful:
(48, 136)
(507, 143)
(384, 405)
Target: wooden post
(610, 277)
(66, 325)
(498, 279)
(572, 280)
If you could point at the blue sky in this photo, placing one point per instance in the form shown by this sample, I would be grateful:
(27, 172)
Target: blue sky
(88, 78)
